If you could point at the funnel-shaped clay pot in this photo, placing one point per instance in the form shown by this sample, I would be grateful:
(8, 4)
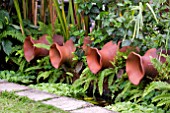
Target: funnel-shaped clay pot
(98, 59)
(137, 66)
(61, 54)
(30, 51)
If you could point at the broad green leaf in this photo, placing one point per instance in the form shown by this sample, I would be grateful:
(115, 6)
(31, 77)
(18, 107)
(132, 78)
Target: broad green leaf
(38, 45)
(1, 25)
(7, 46)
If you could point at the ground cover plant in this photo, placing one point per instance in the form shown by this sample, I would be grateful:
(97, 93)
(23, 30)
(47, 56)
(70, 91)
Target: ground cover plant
(11, 103)
(134, 29)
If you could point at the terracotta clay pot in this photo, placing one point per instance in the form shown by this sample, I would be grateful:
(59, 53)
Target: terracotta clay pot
(98, 59)
(30, 51)
(137, 66)
(61, 54)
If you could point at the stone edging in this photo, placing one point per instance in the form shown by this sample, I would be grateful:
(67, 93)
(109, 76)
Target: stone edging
(65, 103)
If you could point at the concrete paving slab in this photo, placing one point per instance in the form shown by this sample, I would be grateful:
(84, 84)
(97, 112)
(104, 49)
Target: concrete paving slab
(7, 86)
(67, 104)
(2, 81)
(36, 95)
(94, 109)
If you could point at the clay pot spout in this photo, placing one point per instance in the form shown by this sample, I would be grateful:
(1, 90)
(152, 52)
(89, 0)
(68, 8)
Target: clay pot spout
(98, 59)
(61, 54)
(137, 66)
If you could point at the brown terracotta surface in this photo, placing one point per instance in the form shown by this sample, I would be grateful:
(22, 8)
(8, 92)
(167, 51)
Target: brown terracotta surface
(30, 52)
(137, 66)
(60, 54)
(94, 60)
(98, 59)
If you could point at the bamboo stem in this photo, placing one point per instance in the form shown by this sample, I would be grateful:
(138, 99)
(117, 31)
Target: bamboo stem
(59, 15)
(86, 22)
(78, 17)
(24, 9)
(35, 13)
(33, 9)
(42, 11)
(19, 16)
(64, 19)
(71, 11)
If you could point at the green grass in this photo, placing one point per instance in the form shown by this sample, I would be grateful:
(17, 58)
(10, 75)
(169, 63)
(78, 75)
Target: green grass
(11, 103)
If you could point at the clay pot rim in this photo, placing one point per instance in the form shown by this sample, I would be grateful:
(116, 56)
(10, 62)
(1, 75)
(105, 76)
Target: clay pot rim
(141, 66)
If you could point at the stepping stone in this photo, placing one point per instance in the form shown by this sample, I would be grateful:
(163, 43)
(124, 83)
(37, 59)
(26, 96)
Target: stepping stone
(67, 104)
(2, 81)
(94, 109)
(7, 86)
(36, 95)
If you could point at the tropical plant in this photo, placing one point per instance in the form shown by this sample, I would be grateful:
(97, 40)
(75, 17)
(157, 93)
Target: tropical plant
(162, 99)
(8, 33)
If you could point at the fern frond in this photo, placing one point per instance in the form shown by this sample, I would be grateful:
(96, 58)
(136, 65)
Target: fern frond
(156, 85)
(14, 34)
(101, 77)
(123, 92)
(161, 97)
(163, 102)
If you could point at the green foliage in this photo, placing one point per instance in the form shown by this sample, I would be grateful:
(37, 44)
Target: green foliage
(162, 68)
(129, 107)
(136, 22)
(60, 89)
(85, 79)
(5, 39)
(98, 37)
(162, 99)
(123, 90)
(4, 19)
(156, 85)
(9, 35)
(16, 77)
(44, 71)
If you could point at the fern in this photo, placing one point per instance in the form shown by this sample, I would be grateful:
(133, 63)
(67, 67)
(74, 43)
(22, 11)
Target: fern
(156, 85)
(13, 33)
(102, 75)
(162, 99)
(162, 68)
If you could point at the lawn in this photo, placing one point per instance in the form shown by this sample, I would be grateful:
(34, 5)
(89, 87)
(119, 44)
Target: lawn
(11, 103)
